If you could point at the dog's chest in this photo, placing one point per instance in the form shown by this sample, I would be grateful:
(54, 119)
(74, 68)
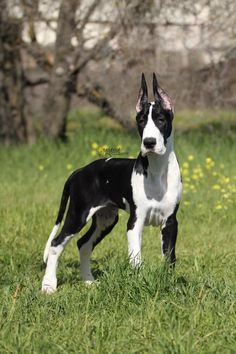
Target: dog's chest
(150, 199)
(156, 196)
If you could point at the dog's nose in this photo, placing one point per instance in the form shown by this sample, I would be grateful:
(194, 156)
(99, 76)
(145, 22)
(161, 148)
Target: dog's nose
(149, 143)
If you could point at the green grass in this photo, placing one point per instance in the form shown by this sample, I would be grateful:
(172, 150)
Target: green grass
(192, 310)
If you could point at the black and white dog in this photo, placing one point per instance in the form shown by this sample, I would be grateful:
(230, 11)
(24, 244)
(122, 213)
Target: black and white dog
(149, 188)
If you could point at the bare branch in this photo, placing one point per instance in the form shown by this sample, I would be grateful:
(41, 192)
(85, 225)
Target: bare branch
(95, 51)
(82, 23)
(30, 10)
(35, 82)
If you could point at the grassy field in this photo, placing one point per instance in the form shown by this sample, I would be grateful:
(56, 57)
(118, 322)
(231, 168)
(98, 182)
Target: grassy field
(192, 310)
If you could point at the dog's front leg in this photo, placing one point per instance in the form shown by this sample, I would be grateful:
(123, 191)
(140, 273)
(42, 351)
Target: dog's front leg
(134, 235)
(169, 231)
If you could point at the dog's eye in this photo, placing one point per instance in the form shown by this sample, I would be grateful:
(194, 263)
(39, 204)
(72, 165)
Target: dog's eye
(142, 120)
(161, 120)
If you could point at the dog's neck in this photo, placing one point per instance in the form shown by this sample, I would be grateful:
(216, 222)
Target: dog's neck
(159, 163)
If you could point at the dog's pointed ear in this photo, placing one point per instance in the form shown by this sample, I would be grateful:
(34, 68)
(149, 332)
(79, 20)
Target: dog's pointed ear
(143, 94)
(160, 95)
(156, 94)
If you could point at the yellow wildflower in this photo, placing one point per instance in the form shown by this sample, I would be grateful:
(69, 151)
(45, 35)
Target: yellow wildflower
(69, 166)
(218, 207)
(41, 167)
(216, 186)
(209, 160)
(185, 172)
(93, 153)
(193, 188)
(190, 157)
(101, 150)
(197, 170)
(209, 163)
(185, 165)
(94, 146)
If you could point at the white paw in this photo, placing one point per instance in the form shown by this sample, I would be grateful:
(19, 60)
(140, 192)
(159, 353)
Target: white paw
(89, 282)
(49, 286)
(87, 275)
(88, 278)
(136, 262)
(48, 289)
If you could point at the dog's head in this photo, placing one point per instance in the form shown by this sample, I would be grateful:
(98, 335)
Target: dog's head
(154, 119)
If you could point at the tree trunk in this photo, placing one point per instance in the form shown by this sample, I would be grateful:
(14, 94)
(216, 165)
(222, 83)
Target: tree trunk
(58, 95)
(13, 122)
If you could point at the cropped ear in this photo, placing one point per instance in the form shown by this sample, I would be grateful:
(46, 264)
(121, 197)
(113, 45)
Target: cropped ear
(143, 94)
(160, 95)
(157, 96)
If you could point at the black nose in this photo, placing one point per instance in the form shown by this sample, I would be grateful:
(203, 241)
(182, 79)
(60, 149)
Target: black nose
(149, 143)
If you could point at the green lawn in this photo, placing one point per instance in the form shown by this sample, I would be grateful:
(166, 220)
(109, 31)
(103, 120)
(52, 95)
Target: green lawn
(192, 310)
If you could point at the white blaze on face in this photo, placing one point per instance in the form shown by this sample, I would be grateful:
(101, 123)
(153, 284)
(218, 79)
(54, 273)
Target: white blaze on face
(152, 131)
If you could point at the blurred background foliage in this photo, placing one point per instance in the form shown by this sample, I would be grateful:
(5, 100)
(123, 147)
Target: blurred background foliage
(58, 57)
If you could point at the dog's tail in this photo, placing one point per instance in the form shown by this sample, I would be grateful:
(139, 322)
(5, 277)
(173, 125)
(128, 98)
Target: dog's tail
(64, 200)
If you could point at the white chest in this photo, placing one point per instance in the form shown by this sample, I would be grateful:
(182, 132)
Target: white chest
(157, 195)
(155, 212)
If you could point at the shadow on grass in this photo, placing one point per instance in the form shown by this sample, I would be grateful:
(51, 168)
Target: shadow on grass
(70, 270)
(116, 276)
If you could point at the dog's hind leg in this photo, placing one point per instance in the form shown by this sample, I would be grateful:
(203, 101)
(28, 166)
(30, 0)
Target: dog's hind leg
(61, 211)
(102, 223)
(73, 224)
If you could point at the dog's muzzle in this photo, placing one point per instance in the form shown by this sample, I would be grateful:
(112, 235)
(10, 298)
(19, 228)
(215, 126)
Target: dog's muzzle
(149, 143)
(150, 146)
